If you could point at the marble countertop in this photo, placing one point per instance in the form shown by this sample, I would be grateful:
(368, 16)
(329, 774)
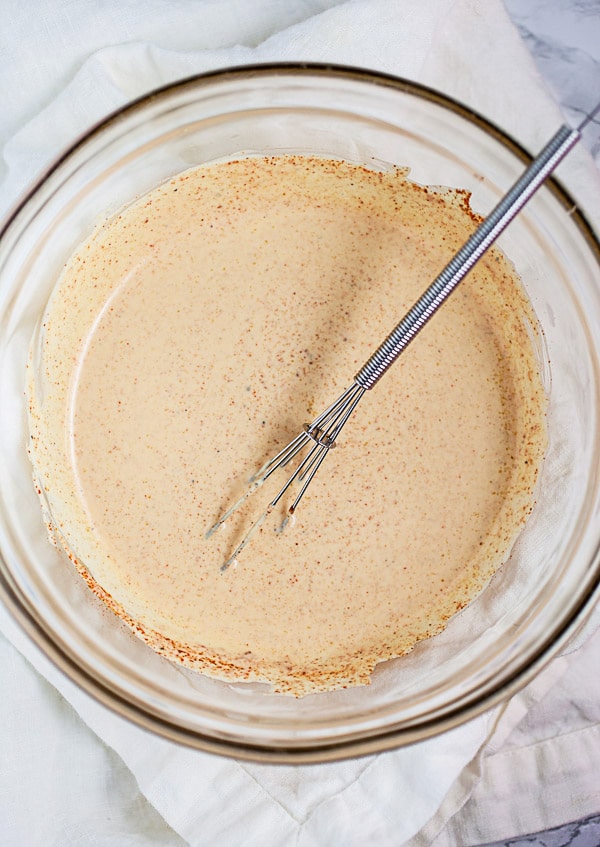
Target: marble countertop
(563, 37)
(584, 833)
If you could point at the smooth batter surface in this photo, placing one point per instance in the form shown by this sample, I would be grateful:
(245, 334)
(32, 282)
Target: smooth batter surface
(188, 341)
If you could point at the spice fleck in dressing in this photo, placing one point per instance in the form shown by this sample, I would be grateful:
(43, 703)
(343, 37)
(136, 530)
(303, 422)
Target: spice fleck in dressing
(188, 340)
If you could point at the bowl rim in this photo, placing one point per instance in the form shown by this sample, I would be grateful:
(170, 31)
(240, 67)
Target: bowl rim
(28, 618)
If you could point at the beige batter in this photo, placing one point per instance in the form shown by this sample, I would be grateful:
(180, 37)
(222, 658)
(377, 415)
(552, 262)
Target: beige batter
(188, 341)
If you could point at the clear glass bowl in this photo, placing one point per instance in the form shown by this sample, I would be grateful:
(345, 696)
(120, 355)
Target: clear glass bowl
(534, 603)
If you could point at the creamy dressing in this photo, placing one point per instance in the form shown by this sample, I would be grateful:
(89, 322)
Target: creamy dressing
(188, 341)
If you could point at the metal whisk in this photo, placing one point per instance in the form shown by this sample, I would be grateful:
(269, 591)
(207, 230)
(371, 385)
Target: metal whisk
(321, 434)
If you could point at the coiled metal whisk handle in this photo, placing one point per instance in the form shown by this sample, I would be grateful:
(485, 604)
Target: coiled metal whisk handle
(460, 265)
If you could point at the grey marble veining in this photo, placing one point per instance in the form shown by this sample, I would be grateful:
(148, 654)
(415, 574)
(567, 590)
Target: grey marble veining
(563, 37)
(584, 833)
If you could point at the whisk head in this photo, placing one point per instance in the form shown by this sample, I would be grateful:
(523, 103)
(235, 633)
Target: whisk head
(319, 436)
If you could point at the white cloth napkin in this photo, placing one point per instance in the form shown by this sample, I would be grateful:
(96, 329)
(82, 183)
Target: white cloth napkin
(71, 771)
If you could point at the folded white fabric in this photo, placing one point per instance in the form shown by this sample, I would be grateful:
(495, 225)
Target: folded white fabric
(64, 65)
(541, 774)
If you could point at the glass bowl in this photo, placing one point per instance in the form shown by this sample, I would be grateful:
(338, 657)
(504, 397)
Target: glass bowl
(543, 592)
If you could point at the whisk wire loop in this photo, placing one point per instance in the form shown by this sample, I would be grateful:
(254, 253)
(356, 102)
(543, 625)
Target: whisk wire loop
(321, 434)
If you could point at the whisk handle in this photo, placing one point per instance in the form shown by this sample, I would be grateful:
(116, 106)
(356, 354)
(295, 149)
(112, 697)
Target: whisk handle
(457, 268)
